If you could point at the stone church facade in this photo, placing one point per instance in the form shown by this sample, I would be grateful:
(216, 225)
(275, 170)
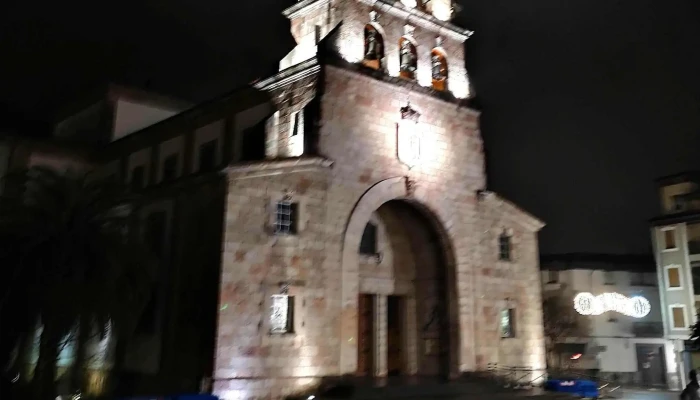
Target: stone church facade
(365, 244)
(358, 235)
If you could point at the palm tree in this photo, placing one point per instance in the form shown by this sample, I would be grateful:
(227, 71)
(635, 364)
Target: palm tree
(74, 258)
(695, 332)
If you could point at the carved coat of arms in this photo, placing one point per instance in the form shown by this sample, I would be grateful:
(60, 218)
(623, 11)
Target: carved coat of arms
(408, 137)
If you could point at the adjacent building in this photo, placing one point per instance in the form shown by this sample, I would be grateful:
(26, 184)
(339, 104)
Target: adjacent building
(617, 339)
(675, 235)
(331, 221)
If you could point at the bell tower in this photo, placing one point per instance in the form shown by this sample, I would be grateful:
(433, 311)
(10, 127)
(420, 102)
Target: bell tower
(412, 39)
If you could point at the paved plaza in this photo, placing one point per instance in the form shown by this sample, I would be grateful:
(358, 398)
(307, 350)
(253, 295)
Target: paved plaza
(649, 395)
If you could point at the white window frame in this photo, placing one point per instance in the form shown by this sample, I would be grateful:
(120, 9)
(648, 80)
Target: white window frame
(667, 282)
(663, 239)
(685, 317)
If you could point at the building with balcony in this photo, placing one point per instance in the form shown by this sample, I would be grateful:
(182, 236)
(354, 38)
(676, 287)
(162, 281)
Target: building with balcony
(675, 235)
(619, 337)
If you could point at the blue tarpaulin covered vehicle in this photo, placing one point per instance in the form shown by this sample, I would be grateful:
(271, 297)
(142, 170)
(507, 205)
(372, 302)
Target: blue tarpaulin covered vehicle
(580, 387)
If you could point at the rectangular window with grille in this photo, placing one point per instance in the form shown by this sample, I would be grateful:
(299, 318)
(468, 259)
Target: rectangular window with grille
(282, 314)
(504, 248)
(286, 218)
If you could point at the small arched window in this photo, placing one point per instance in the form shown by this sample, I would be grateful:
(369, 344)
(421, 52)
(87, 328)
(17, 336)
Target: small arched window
(408, 55)
(374, 46)
(438, 62)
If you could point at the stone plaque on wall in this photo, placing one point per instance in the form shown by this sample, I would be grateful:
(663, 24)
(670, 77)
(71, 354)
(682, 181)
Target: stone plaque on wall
(279, 313)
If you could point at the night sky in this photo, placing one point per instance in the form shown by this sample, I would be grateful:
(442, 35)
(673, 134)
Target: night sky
(584, 102)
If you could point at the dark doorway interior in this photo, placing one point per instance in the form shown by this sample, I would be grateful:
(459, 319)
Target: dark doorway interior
(395, 356)
(365, 345)
(650, 364)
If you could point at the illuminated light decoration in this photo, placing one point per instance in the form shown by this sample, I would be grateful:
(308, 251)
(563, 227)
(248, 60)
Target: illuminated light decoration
(576, 356)
(587, 304)
(408, 137)
(410, 3)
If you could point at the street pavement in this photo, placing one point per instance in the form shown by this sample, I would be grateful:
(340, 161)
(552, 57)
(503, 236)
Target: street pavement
(630, 394)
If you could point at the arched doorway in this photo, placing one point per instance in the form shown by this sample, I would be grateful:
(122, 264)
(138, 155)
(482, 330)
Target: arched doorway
(407, 315)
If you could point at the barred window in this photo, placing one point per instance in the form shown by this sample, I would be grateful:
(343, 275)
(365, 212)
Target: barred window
(286, 217)
(504, 247)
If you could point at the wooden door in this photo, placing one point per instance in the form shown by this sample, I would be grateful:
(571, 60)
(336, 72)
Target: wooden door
(365, 336)
(395, 356)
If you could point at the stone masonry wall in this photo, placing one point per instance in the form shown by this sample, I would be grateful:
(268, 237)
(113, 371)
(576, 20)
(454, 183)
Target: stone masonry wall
(509, 284)
(251, 362)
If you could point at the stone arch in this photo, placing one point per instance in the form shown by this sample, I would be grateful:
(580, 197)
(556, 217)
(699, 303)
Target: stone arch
(390, 189)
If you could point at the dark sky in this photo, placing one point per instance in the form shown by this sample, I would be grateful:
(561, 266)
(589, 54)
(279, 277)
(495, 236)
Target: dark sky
(584, 101)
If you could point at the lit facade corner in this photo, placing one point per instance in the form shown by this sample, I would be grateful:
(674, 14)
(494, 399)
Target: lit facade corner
(460, 87)
(442, 11)
(302, 52)
(351, 47)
